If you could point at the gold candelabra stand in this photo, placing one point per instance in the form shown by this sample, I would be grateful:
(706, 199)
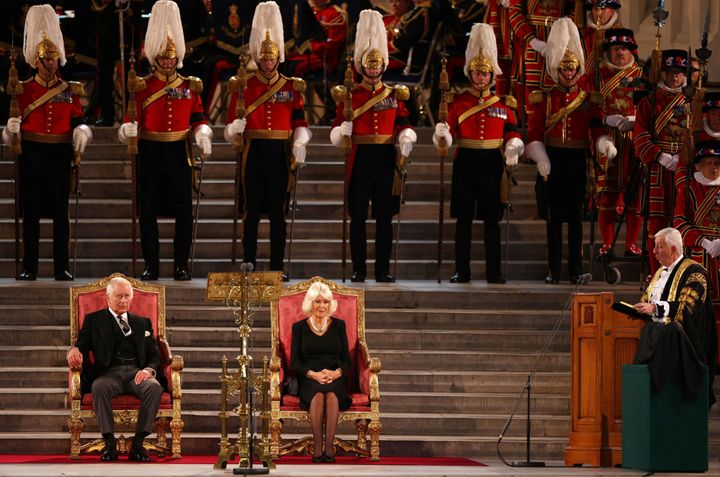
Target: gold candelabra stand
(242, 292)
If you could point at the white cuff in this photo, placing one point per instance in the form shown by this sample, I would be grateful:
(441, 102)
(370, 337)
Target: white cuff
(301, 135)
(228, 134)
(83, 128)
(336, 138)
(122, 137)
(203, 130)
(407, 134)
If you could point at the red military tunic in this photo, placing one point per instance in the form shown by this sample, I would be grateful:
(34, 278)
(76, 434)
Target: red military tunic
(530, 19)
(697, 217)
(53, 120)
(498, 17)
(168, 108)
(486, 129)
(334, 22)
(278, 114)
(667, 112)
(577, 130)
(617, 100)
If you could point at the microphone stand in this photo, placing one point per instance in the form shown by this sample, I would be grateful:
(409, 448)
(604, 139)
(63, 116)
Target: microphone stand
(583, 280)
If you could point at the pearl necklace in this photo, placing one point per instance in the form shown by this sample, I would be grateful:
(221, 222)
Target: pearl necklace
(321, 329)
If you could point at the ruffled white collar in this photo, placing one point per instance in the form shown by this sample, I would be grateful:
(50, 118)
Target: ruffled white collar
(710, 132)
(701, 179)
(661, 84)
(591, 22)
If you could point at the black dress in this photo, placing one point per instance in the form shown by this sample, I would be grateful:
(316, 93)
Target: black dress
(311, 352)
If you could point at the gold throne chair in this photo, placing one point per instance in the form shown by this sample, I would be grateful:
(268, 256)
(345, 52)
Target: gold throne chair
(148, 301)
(363, 376)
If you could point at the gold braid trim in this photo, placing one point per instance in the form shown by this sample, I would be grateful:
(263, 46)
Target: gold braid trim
(689, 297)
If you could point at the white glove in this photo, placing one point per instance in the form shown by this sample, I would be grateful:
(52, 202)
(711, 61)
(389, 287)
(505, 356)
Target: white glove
(346, 128)
(406, 139)
(203, 138)
(614, 120)
(668, 161)
(238, 126)
(606, 147)
(513, 149)
(505, 3)
(301, 137)
(627, 124)
(82, 135)
(539, 46)
(13, 125)
(536, 151)
(127, 130)
(712, 247)
(442, 130)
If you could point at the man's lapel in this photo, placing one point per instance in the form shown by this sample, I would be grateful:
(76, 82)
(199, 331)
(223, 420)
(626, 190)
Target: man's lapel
(138, 334)
(105, 326)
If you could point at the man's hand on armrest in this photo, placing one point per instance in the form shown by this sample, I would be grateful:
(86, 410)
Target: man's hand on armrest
(74, 358)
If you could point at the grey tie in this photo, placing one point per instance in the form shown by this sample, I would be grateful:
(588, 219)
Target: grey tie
(124, 326)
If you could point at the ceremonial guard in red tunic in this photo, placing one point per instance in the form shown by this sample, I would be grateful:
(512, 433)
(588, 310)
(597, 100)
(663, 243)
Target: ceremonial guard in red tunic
(600, 16)
(312, 54)
(697, 211)
(658, 133)
(530, 22)
(273, 116)
(481, 123)
(50, 122)
(379, 117)
(617, 71)
(562, 124)
(169, 111)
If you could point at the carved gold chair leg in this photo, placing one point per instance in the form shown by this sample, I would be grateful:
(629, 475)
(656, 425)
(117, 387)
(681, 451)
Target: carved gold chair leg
(375, 428)
(75, 426)
(361, 425)
(176, 427)
(275, 433)
(161, 428)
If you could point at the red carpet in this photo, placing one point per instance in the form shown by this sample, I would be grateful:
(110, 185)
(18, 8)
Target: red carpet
(210, 459)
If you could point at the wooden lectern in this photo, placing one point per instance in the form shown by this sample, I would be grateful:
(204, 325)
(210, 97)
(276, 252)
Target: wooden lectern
(602, 341)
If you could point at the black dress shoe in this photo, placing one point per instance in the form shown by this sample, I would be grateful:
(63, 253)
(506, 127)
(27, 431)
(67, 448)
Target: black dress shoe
(384, 278)
(149, 275)
(328, 458)
(551, 278)
(496, 279)
(109, 454)
(138, 454)
(458, 277)
(318, 458)
(26, 276)
(64, 276)
(357, 277)
(285, 278)
(181, 273)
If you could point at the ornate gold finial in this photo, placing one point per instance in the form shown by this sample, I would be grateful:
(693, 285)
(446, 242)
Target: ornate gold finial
(373, 59)
(47, 49)
(570, 61)
(269, 49)
(170, 50)
(481, 63)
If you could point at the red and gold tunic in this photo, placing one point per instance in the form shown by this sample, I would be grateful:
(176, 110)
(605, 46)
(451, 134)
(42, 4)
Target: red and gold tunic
(697, 217)
(664, 113)
(168, 108)
(530, 19)
(564, 119)
(481, 122)
(617, 100)
(274, 107)
(592, 46)
(334, 22)
(49, 111)
(379, 113)
(498, 17)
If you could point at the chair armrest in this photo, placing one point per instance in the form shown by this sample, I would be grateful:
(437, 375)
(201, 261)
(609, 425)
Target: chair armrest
(374, 381)
(276, 376)
(176, 368)
(166, 355)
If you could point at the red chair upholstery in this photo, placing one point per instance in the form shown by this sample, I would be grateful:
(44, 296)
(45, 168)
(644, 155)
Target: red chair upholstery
(148, 301)
(363, 376)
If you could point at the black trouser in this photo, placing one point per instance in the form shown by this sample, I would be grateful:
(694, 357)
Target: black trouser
(265, 184)
(44, 190)
(566, 194)
(476, 194)
(371, 180)
(164, 188)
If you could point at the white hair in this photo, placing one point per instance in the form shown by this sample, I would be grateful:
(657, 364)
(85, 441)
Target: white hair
(671, 237)
(315, 290)
(117, 281)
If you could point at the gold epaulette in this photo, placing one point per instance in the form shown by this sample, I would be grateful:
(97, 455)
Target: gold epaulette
(596, 97)
(449, 97)
(77, 88)
(510, 101)
(195, 84)
(339, 93)
(139, 85)
(401, 92)
(537, 96)
(298, 84)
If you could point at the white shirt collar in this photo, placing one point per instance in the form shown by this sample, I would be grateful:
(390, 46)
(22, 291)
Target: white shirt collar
(674, 264)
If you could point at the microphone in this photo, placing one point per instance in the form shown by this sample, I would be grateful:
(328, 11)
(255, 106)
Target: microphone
(246, 267)
(585, 278)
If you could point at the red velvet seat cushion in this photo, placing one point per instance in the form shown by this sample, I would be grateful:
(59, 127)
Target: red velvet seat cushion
(360, 402)
(125, 401)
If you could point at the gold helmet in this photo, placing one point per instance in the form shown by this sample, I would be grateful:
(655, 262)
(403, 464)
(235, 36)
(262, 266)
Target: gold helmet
(569, 61)
(43, 38)
(481, 63)
(164, 37)
(267, 41)
(481, 51)
(370, 42)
